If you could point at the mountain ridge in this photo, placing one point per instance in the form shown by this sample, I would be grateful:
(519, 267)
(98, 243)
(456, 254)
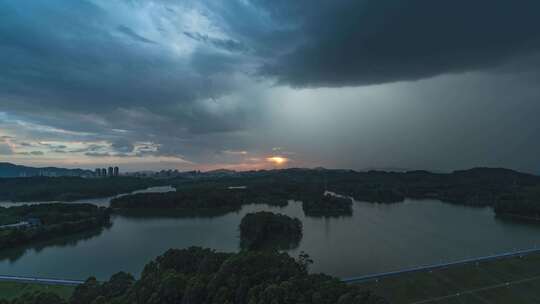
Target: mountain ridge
(8, 169)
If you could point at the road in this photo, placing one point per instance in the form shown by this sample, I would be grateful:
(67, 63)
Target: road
(376, 276)
(35, 280)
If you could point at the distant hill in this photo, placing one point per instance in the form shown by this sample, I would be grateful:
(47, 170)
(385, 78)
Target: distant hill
(12, 170)
(221, 171)
(385, 169)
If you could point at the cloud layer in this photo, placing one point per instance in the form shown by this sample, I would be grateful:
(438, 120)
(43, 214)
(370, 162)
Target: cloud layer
(204, 83)
(345, 43)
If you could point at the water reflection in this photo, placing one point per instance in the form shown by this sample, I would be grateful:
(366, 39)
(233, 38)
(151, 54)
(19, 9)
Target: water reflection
(13, 254)
(172, 213)
(375, 238)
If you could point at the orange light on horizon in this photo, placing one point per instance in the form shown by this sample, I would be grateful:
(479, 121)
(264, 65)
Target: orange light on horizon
(277, 160)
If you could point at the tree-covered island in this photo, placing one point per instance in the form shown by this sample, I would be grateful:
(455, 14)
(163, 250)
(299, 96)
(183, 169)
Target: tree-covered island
(262, 230)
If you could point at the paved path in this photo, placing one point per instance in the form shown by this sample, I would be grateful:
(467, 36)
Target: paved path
(40, 280)
(376, 276)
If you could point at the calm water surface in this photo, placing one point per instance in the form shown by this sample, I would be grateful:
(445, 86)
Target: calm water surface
(376, 238)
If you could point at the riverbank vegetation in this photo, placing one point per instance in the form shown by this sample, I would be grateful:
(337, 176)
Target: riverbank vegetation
(47, 221)
(28, 189)
(262, 230)
(522, 203)
(199, 276)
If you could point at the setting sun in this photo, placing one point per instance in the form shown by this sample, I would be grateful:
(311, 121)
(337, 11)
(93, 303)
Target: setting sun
(277, 160)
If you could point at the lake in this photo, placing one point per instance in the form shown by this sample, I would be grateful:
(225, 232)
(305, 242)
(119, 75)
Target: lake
(375, 238)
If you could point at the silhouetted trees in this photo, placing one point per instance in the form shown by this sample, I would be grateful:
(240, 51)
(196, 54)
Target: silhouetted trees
(27, 189)
(524, 203)
(269, 230)
(195, 199)
(36, 298)
(200, 276)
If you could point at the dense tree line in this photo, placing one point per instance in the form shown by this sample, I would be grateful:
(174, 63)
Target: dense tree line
(269, 230)
(474, 187)
(56, 220)
(478, 186)
(216, 195)
(26, 189)
(186, 199)
(201, 196)
(203, 276)
(524, 203)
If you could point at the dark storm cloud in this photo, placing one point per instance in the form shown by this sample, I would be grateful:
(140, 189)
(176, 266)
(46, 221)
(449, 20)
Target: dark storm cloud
(73, 55)
(227, 44)
(194, 78)
(377, 41)
(131, 33)
(90, 67)
(85, 57)
(122, 145)
(90, 148)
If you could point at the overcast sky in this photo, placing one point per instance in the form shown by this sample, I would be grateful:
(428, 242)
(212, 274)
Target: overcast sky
(205, 84)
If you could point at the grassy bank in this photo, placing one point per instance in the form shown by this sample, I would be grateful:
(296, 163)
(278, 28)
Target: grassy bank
(10, 290)
(514, 280)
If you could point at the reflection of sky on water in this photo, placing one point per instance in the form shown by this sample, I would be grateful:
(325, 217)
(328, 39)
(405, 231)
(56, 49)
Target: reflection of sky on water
(375, 238)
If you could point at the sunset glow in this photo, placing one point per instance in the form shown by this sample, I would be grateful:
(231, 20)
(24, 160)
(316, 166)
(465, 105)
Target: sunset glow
(277, 160)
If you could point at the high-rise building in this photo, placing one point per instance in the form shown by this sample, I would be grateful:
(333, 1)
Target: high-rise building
(103, 172)
(116, 171)
(97, 172)
(111, 171)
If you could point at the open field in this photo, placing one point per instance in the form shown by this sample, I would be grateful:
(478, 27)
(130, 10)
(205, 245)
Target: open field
(513, 280)
(10, 290)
